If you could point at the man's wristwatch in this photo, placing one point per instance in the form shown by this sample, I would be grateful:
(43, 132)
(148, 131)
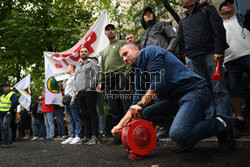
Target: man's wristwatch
(140, 104)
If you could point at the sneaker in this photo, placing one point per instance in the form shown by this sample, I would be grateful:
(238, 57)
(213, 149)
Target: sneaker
(64, 137)
(239, 124)
(41, 138)
(162, 133)
(92, 141)
(48, 140)
(85, 140)
(10, 145)
(102, 135)
(70, 139)
(4, 145)
(226, 137)
(58, 138)
(34, 138)
(25, 137)
(115, 141)
(45, 140)
(75, 140)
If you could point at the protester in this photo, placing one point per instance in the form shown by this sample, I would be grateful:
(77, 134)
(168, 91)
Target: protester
(130, 38)
(72, 109)
(171, 78)
(25, 118)
(202, 44)
(38, 125)
(100, 109)
(59, 113)
(8, 105)
(115, 74)
(48, 113)
(158, 33)
(237, 58)
(84, 85)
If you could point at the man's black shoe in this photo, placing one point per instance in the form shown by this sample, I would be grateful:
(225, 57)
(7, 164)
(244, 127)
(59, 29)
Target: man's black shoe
(239, 124)
(226, 137)
(162, 133)
(181, 149)
(115, 141)
(85, 140)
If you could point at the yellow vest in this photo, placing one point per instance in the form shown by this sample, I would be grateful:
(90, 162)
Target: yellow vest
(5, 102)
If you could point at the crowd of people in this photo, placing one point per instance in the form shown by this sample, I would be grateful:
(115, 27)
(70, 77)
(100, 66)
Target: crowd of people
(166, 76)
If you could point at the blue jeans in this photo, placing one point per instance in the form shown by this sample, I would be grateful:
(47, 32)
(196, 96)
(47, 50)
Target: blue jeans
(5, 128)
(161, 112)
(100, 112)
(49, 123)
(205, 67)
(189, 125)
(60, 120)
(38, 127)
(74, 119)
(235, 70)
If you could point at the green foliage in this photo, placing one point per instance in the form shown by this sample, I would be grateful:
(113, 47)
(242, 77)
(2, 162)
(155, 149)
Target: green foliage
(27, 28)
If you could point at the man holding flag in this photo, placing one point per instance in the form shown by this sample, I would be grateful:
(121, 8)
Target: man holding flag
(8, 104)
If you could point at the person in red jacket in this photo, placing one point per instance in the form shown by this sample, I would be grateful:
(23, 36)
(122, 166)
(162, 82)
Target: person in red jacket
(48, 113)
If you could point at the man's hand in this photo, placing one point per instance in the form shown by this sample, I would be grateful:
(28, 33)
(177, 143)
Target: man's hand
(98, 88)
(218, 57)
(29, 113)
(88, 89)
(115, 130)
(135, 108)
(8, 113)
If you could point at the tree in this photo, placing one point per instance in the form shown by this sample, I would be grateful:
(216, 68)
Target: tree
(30, 27)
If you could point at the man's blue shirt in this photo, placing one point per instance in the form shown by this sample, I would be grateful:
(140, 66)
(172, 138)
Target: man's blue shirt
(160, 71)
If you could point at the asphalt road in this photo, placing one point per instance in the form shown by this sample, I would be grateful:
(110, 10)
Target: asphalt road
(205, 153)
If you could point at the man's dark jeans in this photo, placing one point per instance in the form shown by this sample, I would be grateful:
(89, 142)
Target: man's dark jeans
(87, 102)
(161, 113)
(118, 97)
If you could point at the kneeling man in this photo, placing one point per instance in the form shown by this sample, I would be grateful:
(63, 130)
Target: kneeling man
(171, 79)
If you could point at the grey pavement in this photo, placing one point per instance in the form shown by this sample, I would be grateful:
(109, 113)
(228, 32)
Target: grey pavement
(205, 153)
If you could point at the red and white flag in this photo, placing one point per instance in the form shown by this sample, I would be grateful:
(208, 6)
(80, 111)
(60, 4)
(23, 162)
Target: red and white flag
(95, 40)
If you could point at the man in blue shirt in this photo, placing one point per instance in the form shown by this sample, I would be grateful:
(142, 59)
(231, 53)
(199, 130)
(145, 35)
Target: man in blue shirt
(169, 78)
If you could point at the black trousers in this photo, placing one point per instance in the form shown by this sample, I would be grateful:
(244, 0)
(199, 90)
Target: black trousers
(87, 103)
(119, 97)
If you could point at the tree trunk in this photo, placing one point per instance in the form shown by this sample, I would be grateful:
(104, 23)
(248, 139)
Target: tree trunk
(171, 11)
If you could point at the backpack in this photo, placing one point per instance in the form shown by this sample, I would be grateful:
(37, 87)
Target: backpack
(242, 12)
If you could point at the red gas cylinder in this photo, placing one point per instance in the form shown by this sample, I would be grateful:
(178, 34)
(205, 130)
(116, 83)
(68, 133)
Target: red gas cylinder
(139, 138)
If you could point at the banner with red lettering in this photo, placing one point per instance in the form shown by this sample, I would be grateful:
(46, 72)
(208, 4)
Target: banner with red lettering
(95, 40)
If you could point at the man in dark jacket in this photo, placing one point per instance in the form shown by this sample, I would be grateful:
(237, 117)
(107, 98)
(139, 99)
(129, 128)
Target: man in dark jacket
(202, 44)
(157, 33)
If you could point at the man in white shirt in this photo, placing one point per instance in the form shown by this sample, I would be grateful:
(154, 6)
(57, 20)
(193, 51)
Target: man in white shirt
(237, 57)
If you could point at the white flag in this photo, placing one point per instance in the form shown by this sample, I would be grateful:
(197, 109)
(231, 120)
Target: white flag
(23, 87)
(53, 94)
(95, 40)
